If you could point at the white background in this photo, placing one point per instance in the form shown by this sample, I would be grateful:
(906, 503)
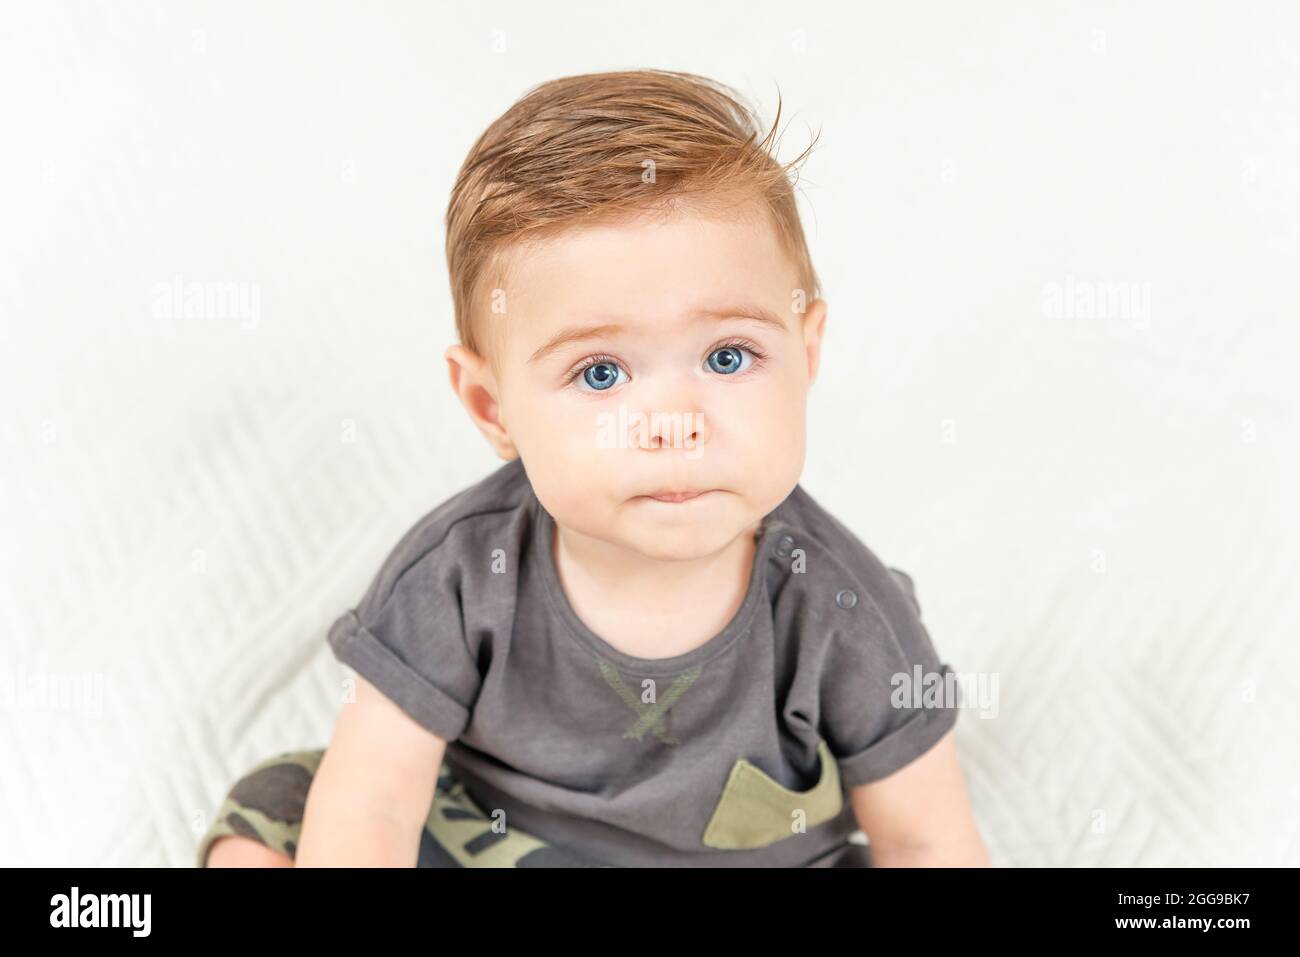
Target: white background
(1100, 511)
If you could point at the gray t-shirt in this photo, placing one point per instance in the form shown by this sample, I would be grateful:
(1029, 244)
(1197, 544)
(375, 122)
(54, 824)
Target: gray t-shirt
(736, 753)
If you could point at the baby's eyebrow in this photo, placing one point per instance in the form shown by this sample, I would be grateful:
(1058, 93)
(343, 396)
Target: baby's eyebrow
(747, 312)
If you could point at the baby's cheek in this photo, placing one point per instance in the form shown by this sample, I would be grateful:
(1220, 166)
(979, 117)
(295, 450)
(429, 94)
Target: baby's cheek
(767, 417)
(774, 441)
(574, 462)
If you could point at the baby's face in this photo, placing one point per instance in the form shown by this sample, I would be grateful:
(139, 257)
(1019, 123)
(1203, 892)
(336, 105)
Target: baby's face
(635, 359)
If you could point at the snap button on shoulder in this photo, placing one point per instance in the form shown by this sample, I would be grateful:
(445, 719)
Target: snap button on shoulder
(784, 546)
(846, 598)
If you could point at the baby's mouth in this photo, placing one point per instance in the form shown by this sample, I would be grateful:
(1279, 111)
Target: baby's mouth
(675, 498)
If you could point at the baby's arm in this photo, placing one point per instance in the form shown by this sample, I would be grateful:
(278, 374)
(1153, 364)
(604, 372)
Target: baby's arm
(371, 795)
(920, 815)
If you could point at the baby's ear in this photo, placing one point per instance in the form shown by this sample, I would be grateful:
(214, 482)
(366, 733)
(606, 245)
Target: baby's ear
(476, 387)
(814, 327)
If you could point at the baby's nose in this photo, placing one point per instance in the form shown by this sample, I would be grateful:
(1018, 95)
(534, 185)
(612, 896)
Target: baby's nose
(676, 430)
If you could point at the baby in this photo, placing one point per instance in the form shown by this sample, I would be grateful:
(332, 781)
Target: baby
(640, 642)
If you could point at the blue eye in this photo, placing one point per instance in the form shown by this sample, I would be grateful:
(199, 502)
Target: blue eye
(727, 360)
(601, 375)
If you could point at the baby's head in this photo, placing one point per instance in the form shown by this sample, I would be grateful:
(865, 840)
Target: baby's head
(637, 308)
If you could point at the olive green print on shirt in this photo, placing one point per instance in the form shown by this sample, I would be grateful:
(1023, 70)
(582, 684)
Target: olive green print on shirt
(649, 717)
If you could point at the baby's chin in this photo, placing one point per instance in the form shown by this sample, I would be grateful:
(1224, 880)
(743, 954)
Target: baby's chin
(681, 531)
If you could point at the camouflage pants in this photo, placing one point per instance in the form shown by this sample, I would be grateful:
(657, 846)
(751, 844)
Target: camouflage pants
(267, 803)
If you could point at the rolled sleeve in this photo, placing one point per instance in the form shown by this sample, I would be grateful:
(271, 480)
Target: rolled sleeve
(898, 748)
(408, 639)
(433, 708)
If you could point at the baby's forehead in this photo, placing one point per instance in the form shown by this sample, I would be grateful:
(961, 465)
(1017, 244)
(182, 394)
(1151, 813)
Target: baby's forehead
(652, 270)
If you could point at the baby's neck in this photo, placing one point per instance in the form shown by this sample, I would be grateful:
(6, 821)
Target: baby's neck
(650, 608)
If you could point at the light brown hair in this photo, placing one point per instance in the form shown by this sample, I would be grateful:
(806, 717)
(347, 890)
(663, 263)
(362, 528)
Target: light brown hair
(602, 146)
